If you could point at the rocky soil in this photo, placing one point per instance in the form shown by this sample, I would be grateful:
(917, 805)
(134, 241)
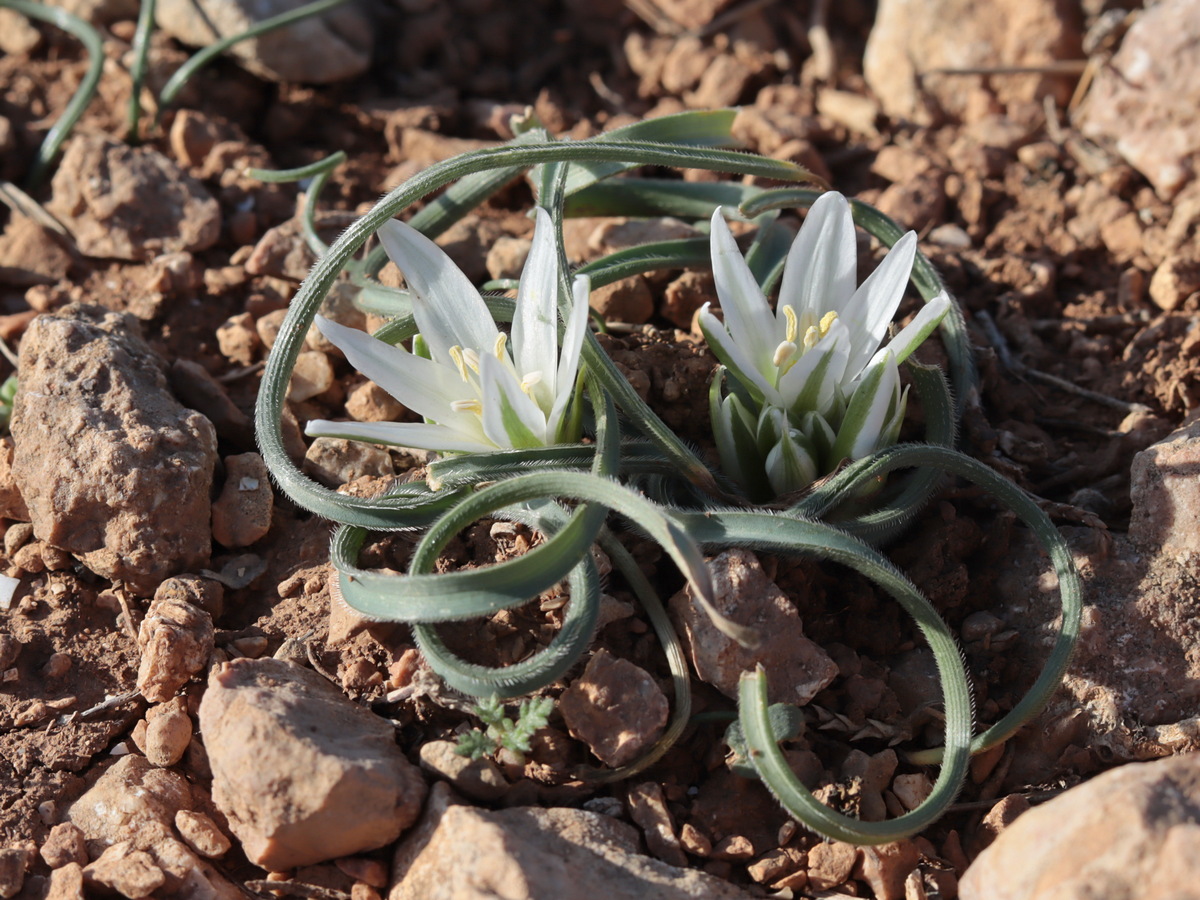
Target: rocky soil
(184, 712)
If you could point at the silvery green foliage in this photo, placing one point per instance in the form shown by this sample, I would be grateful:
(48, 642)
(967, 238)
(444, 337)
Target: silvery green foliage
(810, 384)
(503, 732)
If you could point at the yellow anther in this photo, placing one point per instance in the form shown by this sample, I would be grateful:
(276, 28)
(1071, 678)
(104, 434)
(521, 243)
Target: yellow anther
(467, 406)
(784, 353)
(792, 329)
(471, 358)
(456, 355)
(827, 321)
(811, 336)
(501, 343)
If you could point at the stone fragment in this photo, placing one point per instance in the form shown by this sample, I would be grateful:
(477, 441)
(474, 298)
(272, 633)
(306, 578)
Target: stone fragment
(111, 467)
(66, 883)
(196, 388)
(1145, 100)
(131, 873)
(334, 461)
(371, 872)
(506, 257)
(12, 504)
(124, 202)
(203, 593)
(626, 300)
(479, 779)
(912, 790)
(168, 736)
(64, 845)
(242, 513)
(1173, 282)
(368, 402)
(734, 848)
(136, 803)
(201, 833)
(312, 375)
(176, 640)
(614, 707)
(128, 799)
(1166, 495)
(886, 867)
(300, 772)
(13, 862)
(776, 864)
(99, 12)
(830, 864)
(568, 854)
(797, 669)
(10, 649)
(31, 254)
(1131, 832)
(910, 40)
(238, 339)
(685, 295)
(343, 35)
(648, 809)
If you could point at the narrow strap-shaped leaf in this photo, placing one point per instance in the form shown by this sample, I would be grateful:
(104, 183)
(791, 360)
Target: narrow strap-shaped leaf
(780, 534)
(1070, 587)
(94, 45)
(646, 258)
(647, 197)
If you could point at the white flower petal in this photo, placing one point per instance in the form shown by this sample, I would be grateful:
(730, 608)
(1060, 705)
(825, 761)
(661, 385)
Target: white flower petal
(568, 358)
(424, 386)
(822, 267)
(535, 325)
(747, 315)
(912, 335)
(869, 312)
(510, 417)
(734, 356)
(867, 413)
(448, 309)
(402, 434)
(790, 464)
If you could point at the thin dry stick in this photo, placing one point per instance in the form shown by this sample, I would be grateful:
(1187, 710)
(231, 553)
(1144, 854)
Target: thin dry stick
(1021, 370)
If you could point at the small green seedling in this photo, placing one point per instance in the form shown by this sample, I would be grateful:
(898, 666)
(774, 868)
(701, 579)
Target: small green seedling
(502, 732)
(8, 393)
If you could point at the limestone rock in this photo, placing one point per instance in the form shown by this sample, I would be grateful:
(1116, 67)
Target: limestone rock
(124, 202)
(1166, 495)
(614, 707)
(797, 669)
(911, 38)
(320, 49)
(465, 853)
(1146, 99)
(242, 514)
(1132, 832)
(301, 773)
(176, 640)
(111, 467)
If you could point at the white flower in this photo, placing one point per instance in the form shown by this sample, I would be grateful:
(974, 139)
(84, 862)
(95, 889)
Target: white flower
(475, 391)
(817, 356)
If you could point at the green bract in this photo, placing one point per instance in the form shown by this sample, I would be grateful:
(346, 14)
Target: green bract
(541, 427)
(813, 387)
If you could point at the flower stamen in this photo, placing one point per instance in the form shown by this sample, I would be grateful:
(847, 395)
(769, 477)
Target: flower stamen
(793, 328)
(456, 355)
(785, 354)
(498, 348)
(467, 406)
(827, 321)
(528, 382)
(471, 358)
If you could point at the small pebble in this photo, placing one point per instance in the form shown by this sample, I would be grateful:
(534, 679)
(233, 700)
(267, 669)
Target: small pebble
(202, 834)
